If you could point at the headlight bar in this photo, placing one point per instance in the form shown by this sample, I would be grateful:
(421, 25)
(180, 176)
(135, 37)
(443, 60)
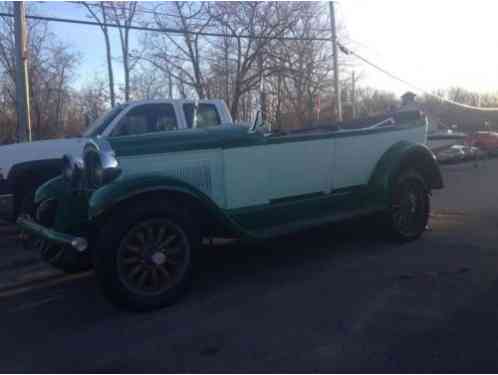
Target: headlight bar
(101, 166)
(72, 170)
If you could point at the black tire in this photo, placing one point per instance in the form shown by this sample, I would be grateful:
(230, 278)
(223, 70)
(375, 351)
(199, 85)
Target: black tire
(27, 205)
(128, 274)
(64, 258)
(410, 206)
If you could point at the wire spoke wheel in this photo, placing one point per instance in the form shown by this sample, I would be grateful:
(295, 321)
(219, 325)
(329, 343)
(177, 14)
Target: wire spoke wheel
(408, 208)
(153, 257)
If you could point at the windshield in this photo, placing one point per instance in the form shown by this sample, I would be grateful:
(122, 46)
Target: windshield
(101, 123)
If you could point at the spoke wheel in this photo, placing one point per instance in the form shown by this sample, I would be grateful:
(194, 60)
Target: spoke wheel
(153, 257)
(410, 207)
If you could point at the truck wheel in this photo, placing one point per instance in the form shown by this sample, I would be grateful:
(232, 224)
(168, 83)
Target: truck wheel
(143, 260)
(64, 258)
(27, 205)
(410, 207)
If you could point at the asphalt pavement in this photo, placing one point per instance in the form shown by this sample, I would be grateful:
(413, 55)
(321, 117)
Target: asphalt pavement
(337, 298)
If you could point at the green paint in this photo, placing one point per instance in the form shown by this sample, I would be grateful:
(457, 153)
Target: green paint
(184, 140)
(263, 217)
(251, 223)
(52, 189)
(46, 233)
(231, 137)
(72, 206)
(77, 210)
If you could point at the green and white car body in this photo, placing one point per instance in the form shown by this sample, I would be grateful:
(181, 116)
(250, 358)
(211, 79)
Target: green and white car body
(240, 183)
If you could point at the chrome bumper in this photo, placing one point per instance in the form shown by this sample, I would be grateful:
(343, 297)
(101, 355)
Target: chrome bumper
(80, 244)
(7, 206)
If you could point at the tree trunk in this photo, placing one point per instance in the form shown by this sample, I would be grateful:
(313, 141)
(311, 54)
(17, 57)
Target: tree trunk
(126, 77)
(126, 65)
(170, 85)
(109, 68)
(234, 108)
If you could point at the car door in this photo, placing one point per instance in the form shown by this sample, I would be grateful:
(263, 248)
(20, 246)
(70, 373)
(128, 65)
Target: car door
(269, 184)
(298, 166)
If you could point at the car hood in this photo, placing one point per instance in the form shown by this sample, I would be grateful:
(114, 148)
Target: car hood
(16, 153)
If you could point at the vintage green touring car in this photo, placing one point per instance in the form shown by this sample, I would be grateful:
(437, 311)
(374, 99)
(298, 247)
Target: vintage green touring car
(136, 208)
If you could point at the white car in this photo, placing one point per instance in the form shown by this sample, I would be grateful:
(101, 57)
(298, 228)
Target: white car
(453, 154)
(25, 166)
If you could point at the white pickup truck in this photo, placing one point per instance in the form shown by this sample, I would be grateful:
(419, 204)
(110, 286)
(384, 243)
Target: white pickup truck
(24, 167)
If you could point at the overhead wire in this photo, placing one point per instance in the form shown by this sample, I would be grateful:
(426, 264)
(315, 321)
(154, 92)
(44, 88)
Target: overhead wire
(342, 48)
(348, 51)
(166, 29)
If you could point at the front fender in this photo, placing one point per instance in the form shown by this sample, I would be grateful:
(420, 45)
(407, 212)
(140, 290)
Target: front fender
(55, 188)
(398, 157)
(72, 206)
(127, 187)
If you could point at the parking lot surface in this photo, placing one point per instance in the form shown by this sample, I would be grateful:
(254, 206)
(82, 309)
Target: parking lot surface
(338, 298)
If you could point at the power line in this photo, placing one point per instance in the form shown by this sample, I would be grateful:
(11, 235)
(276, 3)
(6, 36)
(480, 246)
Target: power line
(347, 51)
(160, 13)
(142, 11)
(166, 29)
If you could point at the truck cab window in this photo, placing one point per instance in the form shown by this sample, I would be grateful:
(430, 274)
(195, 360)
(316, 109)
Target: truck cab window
(147, 118)
(207, 115)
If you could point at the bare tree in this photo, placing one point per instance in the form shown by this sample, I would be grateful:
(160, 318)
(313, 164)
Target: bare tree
(183, 57)
(123, 13)
(51, 67)
(150, 83)
(264, 22)
(99, 11)
(373, 102)
(303, 66)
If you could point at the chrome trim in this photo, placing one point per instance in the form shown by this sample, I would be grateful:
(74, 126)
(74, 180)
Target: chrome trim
(7, 206)
(73, 171)
(107, 160)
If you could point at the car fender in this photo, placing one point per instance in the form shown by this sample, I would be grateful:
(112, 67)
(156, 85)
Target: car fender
(72, 215)
(125, 188)
(54, 188)
(400, 156)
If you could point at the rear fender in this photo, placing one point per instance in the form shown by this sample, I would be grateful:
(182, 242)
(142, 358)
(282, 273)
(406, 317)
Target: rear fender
(404, 155)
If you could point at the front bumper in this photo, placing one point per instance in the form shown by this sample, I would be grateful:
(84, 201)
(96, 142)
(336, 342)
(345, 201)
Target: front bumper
(7, 206)
(80, 244)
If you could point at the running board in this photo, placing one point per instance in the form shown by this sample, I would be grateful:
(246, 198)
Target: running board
(296, 226)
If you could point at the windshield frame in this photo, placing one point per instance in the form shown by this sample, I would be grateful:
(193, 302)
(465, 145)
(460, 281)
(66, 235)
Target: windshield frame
(99, 125)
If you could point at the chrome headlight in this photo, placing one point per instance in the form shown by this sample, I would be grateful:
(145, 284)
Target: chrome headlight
(101, 166)
(72, 170)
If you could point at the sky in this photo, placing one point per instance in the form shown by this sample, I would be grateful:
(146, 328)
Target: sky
(431, 43)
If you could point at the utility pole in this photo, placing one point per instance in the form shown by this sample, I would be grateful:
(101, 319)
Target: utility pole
(337, 88)
(353, 94)
(22, 88)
